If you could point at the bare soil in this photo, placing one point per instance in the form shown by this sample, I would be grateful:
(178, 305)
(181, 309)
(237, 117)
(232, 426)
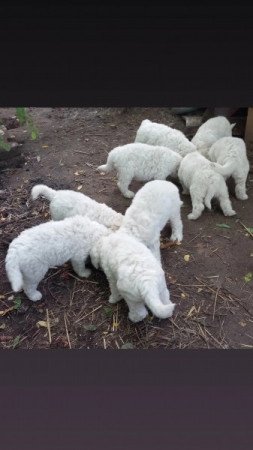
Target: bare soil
(205, 274)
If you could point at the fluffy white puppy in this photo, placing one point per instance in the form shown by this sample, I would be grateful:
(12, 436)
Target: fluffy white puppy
(156, 203)
(158, 134)
(198, 176)
(231, 154)
(134, 274)
(47, 245)
(210, 131)
(67, 203)
(141, 161)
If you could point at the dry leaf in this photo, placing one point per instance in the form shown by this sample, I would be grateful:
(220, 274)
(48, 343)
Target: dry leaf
(44, 146)
(186, 258)
(76, 173)
(167, 243)
(248, 277)
(243, 324)
(193, 309)
(79, 187)
(5, 311)
(2, 327)
(44, 324)
(183, 295)
(200, 289)
(41, 323)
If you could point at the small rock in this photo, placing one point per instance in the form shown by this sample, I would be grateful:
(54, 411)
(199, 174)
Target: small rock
(89, 327)
(127, 346)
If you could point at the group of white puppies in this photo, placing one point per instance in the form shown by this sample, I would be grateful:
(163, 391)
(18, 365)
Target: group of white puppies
(127, 247)
(202, 165)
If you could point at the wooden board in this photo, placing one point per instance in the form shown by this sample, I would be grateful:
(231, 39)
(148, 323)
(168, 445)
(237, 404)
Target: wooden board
(249, 130)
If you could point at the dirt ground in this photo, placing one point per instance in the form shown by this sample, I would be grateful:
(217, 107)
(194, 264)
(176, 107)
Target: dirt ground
(205, 274)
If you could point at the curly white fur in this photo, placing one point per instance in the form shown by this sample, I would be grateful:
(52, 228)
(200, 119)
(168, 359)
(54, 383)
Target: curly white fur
(134, 274)
(158, 134)
(197, 175)
(50, 244)
(210, 131)
(67, 203)
(156, 203)
(141, 161)
(231, 154)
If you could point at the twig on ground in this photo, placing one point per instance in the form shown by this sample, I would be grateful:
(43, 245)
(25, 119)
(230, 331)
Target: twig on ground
(49, 328)
(67, 332)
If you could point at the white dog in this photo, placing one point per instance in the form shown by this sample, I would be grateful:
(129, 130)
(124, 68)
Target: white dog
(47, 245)
(212, 130)
(156, 203)
(141, 161)
(67, 203)
(158, 134)
(231, 154)
(197, 175)
(134, 274)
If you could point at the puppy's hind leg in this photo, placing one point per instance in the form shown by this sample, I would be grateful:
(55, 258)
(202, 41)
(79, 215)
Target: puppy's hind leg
(240, 188)
(225, 204)
(176, 227)
(223, 196)
(164, 293)
(79, 267)
(185, 190)
(137, 310)
(197, 205)
(30, 289)
(124, 179)
(115, 296)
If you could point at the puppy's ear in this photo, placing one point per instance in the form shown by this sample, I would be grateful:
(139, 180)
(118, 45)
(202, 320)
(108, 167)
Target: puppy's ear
(181, 203)
(232, 125)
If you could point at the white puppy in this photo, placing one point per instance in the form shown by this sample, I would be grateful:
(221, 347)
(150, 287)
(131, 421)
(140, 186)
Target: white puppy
(134, 274)
(156, 203)
(158, 134)
(197, 175)
(141, 161)
(210, 131)
(231, 154)
(47, 245)
(67, 203)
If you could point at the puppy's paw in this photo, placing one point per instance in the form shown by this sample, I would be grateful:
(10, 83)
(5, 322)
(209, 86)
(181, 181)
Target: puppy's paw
(129, 194)
(242, 196)
(230, 213)
(36, 297)
(113, 300)
(84, 273)
(176, 237)
(137, 317)
(192, 216)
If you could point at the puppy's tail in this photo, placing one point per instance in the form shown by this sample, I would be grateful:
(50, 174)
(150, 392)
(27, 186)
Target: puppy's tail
(109, 166)
(13, 271)
(210, 194)
(224, 170)
(154, 303)
(42, 190)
